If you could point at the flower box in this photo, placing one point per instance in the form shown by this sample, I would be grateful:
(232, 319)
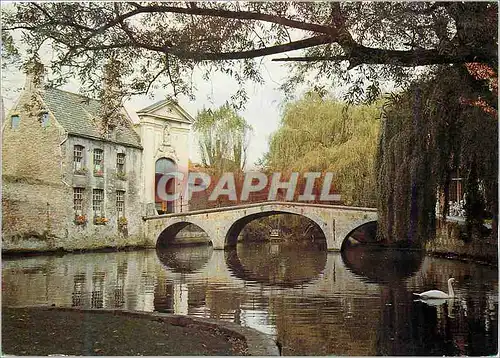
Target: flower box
(121, 175)
(122, 225)
(122, 221)
(80, 220)
(98, 173)
(81, 171)
(100, 220)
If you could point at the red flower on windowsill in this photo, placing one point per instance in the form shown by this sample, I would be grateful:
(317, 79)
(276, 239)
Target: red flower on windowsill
(100, 220)
(98, 173)
(80, 220)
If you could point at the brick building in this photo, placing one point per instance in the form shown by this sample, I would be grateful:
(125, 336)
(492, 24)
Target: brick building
(66, 185)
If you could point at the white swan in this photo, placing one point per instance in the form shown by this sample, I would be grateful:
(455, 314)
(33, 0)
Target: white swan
(436, 294)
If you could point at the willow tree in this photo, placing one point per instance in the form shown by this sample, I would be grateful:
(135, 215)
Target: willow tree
(160, 43)
(437, 127)
(223, 138)
(321, 134)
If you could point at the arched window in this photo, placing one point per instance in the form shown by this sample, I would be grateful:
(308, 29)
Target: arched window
(164, 166)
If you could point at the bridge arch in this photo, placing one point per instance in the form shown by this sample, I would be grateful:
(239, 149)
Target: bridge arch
(238, 225)
(369, 227)
(223, 224)
(168, 235)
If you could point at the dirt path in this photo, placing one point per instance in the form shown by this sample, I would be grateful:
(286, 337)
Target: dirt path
(43, 331)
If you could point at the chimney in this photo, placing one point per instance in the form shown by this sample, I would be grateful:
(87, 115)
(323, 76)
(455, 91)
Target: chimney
(35, 72)
(29, 84)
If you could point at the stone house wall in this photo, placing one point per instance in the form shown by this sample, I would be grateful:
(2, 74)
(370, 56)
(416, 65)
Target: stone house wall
(450, 241)
(37, 189)
(32, 189)
(111, 234)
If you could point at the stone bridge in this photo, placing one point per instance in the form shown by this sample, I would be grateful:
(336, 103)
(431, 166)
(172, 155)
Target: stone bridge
(223, 225)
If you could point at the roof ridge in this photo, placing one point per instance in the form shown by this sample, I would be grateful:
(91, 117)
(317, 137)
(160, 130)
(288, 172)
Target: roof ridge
(154, 105)
(73, 93)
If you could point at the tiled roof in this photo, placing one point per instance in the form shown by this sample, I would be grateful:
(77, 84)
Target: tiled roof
(75, 113)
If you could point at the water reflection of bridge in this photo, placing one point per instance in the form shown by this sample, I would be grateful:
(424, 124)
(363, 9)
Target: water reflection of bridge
(132, 280)
(118, 282)
(337, 300)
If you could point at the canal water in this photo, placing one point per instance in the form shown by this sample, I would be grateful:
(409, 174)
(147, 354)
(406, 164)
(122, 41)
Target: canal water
(311, 301)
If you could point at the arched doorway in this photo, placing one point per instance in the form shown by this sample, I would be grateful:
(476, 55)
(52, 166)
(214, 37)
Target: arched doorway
(164, 166)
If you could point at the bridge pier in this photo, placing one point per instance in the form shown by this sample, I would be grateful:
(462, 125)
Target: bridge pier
(329, 231)
(218, 246)
(218, 237)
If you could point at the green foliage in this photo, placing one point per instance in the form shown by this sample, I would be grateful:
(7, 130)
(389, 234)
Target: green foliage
(429, 132)
(159, 44)
(223, 138)
(321, 134)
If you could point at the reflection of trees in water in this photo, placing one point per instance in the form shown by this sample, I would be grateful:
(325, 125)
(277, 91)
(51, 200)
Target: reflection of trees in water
(380, 265)
(283, 264)
(474, 309)
(347, 319)
(405, 327)
(409, 327)
(185, 259)
(414, 328)
(480, 319)
(306, 326)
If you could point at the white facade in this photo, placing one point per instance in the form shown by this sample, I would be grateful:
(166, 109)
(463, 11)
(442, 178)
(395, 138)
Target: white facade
(164, 128)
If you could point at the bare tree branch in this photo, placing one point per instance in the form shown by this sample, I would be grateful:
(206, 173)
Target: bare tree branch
(374, 56)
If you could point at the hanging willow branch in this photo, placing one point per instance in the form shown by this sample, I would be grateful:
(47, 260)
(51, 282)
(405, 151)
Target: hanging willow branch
(428, 132)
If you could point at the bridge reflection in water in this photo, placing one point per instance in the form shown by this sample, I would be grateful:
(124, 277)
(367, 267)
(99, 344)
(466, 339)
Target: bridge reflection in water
(185, 259)
(382, 265)
(313, 302)
(277, 263)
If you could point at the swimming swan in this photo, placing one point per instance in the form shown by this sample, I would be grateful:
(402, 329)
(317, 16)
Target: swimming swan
(433, 294)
